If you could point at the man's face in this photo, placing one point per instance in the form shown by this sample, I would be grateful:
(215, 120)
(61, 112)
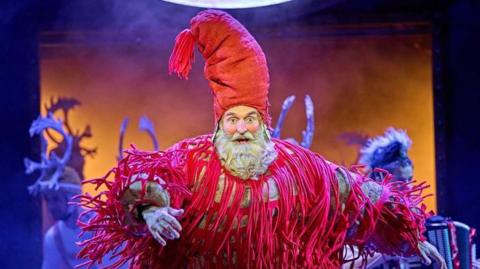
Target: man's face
(242, 143)
(241, 123)
(57, 203)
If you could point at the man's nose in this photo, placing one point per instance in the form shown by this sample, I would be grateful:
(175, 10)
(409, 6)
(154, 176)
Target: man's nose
(241, 127)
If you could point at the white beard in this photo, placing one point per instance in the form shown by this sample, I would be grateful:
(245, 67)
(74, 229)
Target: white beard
(245, 160)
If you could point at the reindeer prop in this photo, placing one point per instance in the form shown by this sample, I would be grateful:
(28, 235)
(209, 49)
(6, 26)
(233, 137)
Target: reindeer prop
(145, 125)
(77, 160)
(307, 134)
(51, 166)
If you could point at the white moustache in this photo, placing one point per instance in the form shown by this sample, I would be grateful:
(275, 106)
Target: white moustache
(245, 160)
(248, 136)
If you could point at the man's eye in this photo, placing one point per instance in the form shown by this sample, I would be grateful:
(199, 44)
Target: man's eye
(251, 119)
(232, 120)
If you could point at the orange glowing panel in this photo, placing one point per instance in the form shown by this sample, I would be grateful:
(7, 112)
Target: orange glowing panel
(358, 84)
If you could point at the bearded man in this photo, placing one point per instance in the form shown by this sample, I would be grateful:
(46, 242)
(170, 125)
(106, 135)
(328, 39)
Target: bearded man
(238, 198)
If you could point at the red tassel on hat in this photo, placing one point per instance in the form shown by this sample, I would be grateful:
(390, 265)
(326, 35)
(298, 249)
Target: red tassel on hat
(182, 58)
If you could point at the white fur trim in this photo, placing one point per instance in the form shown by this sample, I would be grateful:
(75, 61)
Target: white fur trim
(391, 135)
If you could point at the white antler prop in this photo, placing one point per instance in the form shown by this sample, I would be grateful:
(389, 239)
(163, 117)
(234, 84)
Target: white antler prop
(48, 163)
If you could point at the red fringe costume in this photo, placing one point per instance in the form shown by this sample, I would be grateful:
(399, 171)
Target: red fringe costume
(299, 214)
(305, 227)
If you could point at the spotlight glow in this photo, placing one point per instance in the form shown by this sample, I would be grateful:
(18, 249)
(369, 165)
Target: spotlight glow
(227, 3)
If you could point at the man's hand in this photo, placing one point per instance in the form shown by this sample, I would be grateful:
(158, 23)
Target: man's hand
(162, 223)
(428, 251)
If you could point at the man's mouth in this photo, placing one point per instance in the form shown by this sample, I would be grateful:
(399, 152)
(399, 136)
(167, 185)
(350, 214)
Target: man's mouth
(242, 140)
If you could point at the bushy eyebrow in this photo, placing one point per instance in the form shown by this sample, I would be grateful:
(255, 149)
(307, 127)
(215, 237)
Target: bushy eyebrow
(230, 114)
(251, 113)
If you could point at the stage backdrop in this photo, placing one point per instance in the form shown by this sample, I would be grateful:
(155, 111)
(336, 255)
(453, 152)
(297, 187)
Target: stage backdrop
(360, 84)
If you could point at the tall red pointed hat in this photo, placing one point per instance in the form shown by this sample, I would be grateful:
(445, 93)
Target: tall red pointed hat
(235, 65)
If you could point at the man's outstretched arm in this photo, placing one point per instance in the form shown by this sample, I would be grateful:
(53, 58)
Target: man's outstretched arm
(125, 223)
(389, 217)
